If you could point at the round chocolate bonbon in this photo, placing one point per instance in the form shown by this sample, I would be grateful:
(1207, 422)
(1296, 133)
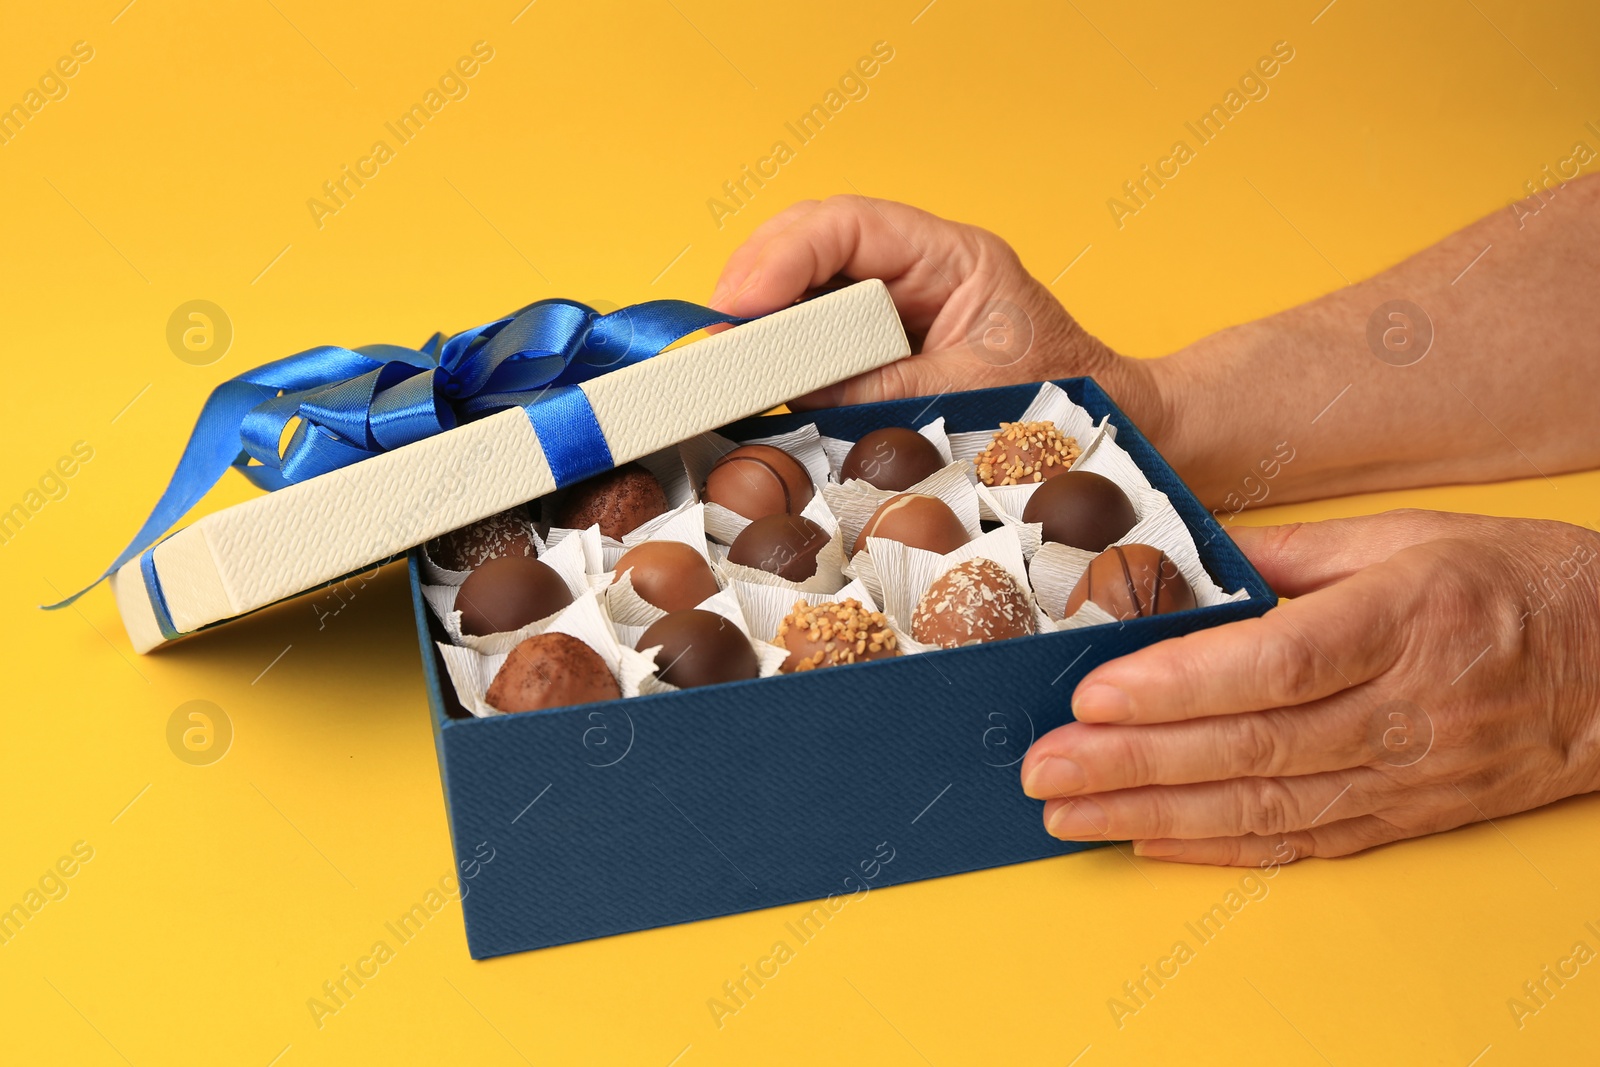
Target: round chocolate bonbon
(976, 602)
(505, 534)
(1023, 452)
(699, 648)
(619, 501)
(508, 593)
(1131, 582)
(918, 520)
(892, 458)
(759, 480)
(551, 670)
(785, 545)
(1081, 509)
(669, 574)
(834, 633)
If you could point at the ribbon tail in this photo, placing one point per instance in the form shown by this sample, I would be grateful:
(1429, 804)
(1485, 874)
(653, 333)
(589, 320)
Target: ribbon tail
(213, 447)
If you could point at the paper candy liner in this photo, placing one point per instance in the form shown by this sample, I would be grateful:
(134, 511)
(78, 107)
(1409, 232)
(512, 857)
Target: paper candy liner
(700, 454)
(572, 559)
(830, 560)
(906, 573)
(769, 657)
(628, 608)
(472, 671)
(837, 450)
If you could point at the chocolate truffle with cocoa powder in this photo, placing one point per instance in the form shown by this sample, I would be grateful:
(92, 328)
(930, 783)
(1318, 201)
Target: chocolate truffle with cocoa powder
(620, 500)
(551, 670)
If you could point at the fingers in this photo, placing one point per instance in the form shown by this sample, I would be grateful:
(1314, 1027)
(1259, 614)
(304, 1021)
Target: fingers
(1341, 838)
(1303, 650)
(1306, 556)
(1080, 758)
(738, 266)
(920, 256)
(1233, 808)
(924, 374)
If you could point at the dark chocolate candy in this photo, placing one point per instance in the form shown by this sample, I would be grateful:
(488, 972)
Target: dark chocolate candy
(892, 458)
(668, 574)
(699, 648)
(1131, 582)
(975, 602)
(508, 593)
(758, 480)
(1081, 509)
(620, 500)
(917, 520)
(785, 545)
(506, 534)
(551, 670)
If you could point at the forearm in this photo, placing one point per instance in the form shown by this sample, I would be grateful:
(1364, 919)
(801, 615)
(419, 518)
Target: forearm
(1506, 390)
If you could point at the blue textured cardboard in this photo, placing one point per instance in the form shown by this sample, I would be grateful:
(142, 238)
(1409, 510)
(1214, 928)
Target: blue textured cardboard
(631, 814)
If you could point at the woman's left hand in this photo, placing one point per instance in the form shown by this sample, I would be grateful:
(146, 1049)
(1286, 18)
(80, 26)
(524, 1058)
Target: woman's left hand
(1431, 670)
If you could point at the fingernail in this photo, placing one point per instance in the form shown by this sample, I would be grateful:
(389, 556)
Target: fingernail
(1078, 819)
(718, 294)
(1054, 776)
(1099, 702)
(1160, 848)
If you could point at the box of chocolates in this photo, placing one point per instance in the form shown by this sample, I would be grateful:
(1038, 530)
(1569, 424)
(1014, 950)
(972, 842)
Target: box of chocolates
(684, 659)
(751, 667)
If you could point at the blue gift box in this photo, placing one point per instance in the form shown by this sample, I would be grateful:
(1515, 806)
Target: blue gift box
(636, 813)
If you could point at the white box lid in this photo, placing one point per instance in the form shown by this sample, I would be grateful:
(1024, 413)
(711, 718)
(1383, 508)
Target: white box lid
(305, 535)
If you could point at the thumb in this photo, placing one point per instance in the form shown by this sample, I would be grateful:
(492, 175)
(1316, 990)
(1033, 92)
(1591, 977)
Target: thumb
(1303, 557)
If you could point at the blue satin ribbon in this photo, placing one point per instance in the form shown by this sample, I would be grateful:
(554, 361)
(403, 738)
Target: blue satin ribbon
(355, 403)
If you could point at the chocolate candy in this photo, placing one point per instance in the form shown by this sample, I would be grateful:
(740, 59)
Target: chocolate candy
(1131, 582)
(1081, 509)
(508, 593)
(758, 480)
(505, 534)
(917, 520)
(668, 574)
(833, 633)
(892, 458)
(976, 602)
(785, 545)
(551, 670)
(620, 500)
(1024, 452)
(699, 648)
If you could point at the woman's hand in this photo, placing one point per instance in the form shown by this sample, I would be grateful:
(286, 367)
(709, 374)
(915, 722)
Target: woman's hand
(1432, 670)
(975, 316)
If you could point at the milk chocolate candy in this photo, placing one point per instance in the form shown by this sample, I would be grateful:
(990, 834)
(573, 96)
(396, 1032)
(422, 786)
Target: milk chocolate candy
(1131, 582)
(892, 458)
(758, 480)
(1081, 509)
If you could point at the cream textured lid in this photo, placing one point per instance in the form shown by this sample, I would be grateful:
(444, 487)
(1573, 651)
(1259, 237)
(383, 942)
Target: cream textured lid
(305, 535)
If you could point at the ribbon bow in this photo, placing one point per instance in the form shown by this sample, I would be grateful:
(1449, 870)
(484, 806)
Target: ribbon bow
(354, 403)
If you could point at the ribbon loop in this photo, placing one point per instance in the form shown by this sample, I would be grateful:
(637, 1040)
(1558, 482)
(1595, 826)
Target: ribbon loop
(348, 405)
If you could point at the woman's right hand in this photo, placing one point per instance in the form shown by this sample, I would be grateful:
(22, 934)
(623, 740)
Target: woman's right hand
(975, 316)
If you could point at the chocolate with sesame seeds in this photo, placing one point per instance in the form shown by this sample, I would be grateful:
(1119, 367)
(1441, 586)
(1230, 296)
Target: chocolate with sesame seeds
(834, 633)
(1024, 452)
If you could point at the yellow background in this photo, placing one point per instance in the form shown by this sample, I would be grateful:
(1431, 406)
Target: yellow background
(178, 167)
